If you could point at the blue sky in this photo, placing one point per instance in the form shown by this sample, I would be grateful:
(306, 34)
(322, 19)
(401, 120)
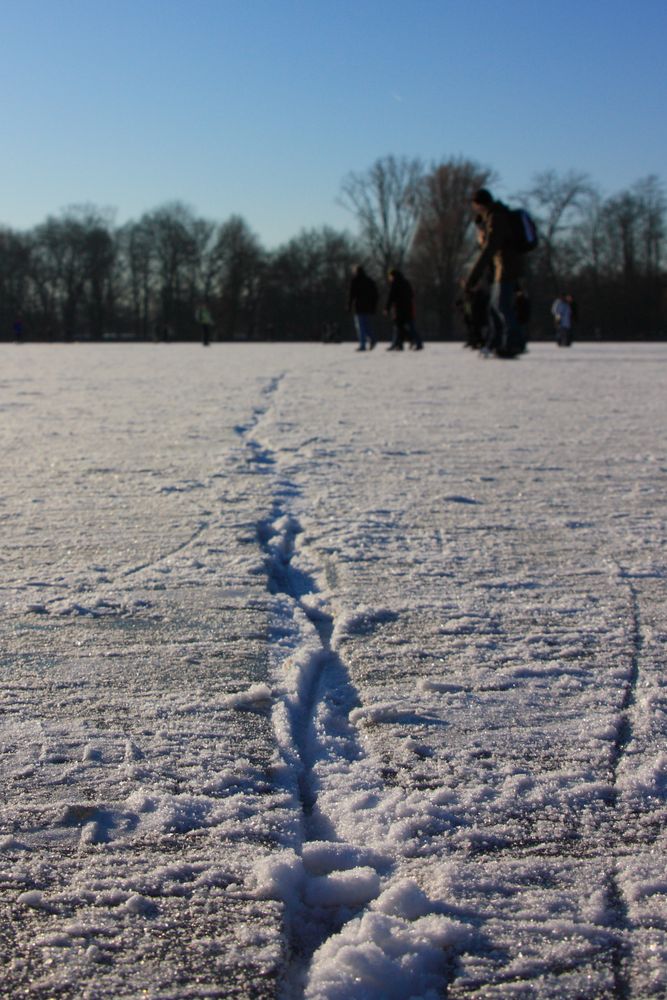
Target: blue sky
(261, 107)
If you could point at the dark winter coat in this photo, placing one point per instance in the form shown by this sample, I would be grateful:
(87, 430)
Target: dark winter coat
(363, 296)
(401, 301)
(498, 249)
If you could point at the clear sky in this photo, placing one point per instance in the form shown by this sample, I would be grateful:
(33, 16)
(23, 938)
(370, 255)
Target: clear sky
(261, 107)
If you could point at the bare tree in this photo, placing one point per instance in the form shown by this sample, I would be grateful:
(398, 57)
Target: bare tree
(651, 207)
(557, 203)
(386, 202)
(15, 254)
(177, 239)
(236, 269)
(71, 267)
(138, 266)
(306, 283)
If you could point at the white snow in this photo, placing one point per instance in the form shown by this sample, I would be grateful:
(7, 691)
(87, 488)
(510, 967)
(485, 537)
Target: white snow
(333, 676)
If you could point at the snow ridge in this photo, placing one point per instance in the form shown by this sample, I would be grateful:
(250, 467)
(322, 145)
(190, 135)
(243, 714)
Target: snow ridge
(350, 926)
(325, 882)
(355, 932)
(624, 735)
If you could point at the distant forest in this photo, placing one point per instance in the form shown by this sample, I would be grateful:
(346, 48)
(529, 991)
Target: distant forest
(79, 276)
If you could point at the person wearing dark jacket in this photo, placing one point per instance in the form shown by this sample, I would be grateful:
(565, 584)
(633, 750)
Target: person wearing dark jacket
(498, 250)
(401, 307)
(362, 302)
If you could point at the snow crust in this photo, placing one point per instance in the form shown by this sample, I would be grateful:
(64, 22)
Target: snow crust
(333, 676)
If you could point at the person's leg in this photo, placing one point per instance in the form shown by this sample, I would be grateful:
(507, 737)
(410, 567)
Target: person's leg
(402, 332)
(417, 343)
(361, 330)
(370, 332)
(494, 330)
(397, 341)
(503, 316)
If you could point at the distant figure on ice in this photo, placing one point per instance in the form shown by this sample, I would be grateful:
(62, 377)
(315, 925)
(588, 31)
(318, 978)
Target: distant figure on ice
(17, 330)
(498, 250)
(562, 315)
(362, 303)
(205, 321)
(400, 306)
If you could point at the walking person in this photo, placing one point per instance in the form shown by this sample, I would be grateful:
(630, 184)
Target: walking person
(400, 306)
(362, 302)
(499, 250)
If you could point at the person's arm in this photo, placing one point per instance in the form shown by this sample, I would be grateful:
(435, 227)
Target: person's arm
(492, 242)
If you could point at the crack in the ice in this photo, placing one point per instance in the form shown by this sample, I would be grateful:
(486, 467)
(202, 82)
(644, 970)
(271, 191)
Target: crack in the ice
(624, 734)
(163, 556)
(328, 878)
(328, 674)
(620, 951)
(319, 728)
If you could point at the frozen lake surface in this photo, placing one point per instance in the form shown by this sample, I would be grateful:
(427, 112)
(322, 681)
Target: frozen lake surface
(333, 677)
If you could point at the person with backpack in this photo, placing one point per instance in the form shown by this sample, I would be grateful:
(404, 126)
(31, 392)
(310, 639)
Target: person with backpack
(362, 302)
(500, 250)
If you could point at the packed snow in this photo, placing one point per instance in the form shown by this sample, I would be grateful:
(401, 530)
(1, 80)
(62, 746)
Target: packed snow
(331, 675)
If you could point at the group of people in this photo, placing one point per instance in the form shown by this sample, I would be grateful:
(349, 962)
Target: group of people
(400, 305)
(495, 307)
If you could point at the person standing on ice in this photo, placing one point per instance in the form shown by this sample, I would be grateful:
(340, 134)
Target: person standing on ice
(401, 307)
(362, 303)
(498, 249)
(205, 321)
(562, 314)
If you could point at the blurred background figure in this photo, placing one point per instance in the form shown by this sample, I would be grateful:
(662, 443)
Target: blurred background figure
(362, 303)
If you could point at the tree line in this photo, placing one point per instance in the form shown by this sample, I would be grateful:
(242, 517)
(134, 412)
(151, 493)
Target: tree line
(78, 275)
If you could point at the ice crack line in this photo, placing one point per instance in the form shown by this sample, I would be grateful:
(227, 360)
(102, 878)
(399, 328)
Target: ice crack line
(336, 873)
(331, 880)
(624, 733)
(322, 688)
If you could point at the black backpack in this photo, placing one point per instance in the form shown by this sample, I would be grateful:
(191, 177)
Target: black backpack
(524, 230)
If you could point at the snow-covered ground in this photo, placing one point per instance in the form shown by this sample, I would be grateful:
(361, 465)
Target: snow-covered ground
(333, 677)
